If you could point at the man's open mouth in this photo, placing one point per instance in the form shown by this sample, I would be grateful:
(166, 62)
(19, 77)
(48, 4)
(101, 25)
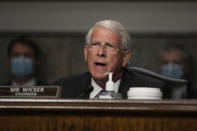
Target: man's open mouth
(100, 64)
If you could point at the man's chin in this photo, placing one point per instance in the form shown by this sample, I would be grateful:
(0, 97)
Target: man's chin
(102, 77)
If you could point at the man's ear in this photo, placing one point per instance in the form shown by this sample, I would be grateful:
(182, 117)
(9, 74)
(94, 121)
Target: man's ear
(85, 51)
(126, 57)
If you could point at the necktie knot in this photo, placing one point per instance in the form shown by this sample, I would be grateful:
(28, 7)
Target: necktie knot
(97, 95)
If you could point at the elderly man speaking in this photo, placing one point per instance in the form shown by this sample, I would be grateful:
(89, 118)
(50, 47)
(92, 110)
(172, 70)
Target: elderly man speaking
(106, 50)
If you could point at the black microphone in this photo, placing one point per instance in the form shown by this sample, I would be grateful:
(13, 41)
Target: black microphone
(88, 90)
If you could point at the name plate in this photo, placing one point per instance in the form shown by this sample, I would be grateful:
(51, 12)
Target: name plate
(30, 91)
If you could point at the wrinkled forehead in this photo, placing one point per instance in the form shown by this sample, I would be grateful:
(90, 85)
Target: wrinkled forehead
(102, 34)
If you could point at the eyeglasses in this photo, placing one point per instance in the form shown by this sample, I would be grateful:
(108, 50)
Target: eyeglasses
(111, 48)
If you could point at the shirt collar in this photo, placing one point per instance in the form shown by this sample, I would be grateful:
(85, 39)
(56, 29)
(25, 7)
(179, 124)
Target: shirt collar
(97, 88)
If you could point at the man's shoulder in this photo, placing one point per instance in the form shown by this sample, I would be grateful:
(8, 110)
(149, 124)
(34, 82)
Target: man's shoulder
(143, 79)
(73, 86)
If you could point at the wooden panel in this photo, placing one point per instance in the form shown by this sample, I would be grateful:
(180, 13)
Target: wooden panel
(97, 0)
(60, 122)
(97, 115)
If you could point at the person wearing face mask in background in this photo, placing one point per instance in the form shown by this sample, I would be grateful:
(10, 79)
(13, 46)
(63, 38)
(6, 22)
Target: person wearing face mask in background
(175, 63)
(23, 60)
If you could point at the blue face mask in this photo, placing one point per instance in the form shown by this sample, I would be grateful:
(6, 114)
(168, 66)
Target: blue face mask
(21, 67)
(172, 70)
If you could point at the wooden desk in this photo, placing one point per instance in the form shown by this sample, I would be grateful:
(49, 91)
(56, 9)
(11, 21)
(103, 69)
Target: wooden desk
(97, 115)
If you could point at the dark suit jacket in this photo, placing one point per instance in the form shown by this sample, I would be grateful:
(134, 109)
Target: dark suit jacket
(76, 86)
(191, 91)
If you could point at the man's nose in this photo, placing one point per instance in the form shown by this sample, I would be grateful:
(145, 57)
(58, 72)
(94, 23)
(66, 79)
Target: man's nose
(101, 51)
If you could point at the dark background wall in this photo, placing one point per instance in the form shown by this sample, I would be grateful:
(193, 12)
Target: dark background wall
(62, 53)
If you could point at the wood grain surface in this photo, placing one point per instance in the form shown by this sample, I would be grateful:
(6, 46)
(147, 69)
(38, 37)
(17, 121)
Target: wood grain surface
(97, 115)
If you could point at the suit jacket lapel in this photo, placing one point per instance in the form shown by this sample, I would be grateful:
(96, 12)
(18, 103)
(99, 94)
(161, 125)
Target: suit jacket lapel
(84, 85)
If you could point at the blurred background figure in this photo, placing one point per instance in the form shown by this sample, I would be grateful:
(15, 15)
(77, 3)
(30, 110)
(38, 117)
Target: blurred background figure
(176, 63)
(23, 60)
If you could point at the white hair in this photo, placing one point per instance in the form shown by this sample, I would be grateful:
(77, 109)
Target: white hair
(114, 26)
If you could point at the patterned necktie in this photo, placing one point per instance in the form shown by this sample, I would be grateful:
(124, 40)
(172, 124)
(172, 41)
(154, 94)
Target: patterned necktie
(98, 94)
